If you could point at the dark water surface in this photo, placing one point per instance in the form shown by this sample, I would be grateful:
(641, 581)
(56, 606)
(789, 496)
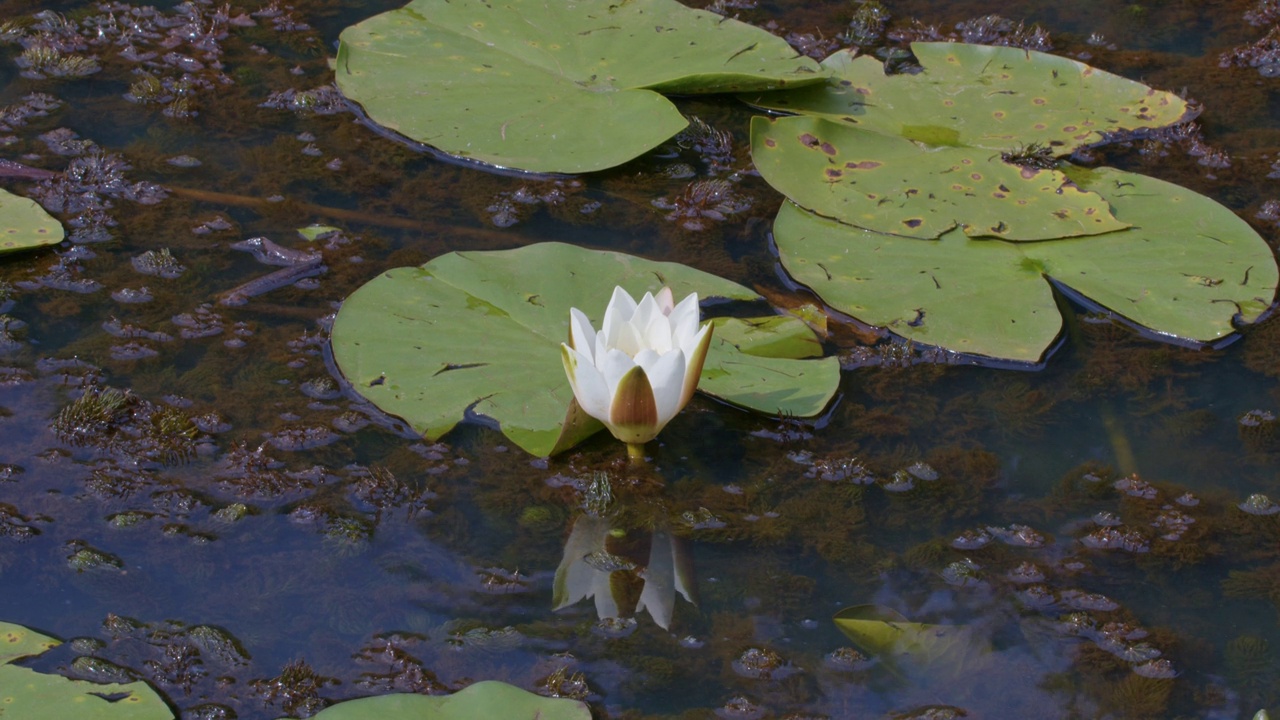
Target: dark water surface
(256, 540)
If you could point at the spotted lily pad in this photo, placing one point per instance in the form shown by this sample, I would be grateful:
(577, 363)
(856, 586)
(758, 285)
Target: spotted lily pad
(31, 695)
(1187, 269)
(486, 699)
(24, 224)
(894, 185)
(567, 86)
(1000, 98)
(480, 332)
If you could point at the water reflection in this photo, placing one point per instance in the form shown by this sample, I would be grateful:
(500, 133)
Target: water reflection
(589, 570)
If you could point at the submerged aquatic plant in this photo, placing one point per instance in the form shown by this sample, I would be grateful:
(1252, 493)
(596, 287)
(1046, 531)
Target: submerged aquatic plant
(641, 368)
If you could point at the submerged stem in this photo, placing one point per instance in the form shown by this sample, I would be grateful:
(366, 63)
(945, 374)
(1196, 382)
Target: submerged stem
(635, 453)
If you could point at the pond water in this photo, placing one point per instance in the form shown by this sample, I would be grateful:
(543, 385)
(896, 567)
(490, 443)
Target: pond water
(257, 541)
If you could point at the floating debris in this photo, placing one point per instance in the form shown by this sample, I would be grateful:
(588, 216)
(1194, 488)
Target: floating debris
(962, 573)
(1088, 601)
(160, 263)
(1106, 518)
(762, 664)
(1259, 504)
(922, 471)
(1114, 538)
(1158, 669)
(1136, 487)
(1025, 573)
(1017, 536)
(971, 540)
(701, 202)
(846, 659)
(900, 482)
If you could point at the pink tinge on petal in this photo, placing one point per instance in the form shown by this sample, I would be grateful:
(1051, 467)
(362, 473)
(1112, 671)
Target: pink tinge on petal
(666, 301)
(589, 385)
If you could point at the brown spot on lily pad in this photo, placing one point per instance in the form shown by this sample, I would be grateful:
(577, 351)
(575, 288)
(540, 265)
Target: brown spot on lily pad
(833, 173)
(1070, 128)
(864, 165)
(999, 195)
(828, 148)
(913, 222)
(976, 177)
(1038, 101)
(770, 142)
(999, 114)
(1028, 173)
(809, 141)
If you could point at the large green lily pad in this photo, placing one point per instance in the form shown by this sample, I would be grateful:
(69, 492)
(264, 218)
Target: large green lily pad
(486, 699)
(566, 86)
(1186, 269)
(24, 224)
(1000, 98)
(30, 695)
(894, 185)
(480, 332)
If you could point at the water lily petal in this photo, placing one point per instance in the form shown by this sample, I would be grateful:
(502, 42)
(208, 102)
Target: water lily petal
(693, 369)
(651, 325)
(613, 364)
(666, 300)
(618, 313)
(633, 417)
(628, 339)
(589, 385)
(666, 377)
(684, 321)
(582, 337)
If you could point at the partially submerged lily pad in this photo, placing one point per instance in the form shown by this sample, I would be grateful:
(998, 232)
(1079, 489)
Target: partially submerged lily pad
(979, 96)
(31, 695)
(486, 699)
(1187, 269)
(552, 87)
(480, 332)
(894, 185)
(910, 648)
(24, 224)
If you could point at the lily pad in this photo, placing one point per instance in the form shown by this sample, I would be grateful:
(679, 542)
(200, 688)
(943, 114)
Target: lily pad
(1187, 269)
(24, 224)
(897, 186)
(487, 699)
(552, 87)
(480, 332)
(917, 649)
(31, 695)
(1000, 98)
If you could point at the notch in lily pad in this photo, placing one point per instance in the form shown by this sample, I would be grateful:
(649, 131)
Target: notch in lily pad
(981, 96)
(25, 693)
(563, 87)
(1188, 270)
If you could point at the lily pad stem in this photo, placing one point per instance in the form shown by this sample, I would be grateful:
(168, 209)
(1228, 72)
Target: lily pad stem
(635, 453)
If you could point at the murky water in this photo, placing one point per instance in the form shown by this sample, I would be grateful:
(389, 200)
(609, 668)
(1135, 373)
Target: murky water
(238, 512)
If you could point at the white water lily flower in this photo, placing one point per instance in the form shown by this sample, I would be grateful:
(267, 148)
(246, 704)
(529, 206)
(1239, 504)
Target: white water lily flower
(642, 367)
